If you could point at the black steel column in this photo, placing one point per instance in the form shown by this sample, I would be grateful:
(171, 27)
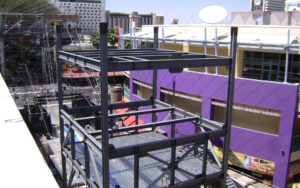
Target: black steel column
(73, 150)
(154, 80)
(136, 169)
(86, 160)
(58, 30)
(204, 162)
(227, 125)
(173, 150)
(104, 103)
(197, 130)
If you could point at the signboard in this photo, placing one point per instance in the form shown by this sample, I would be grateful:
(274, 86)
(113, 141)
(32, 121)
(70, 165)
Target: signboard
(253, 164)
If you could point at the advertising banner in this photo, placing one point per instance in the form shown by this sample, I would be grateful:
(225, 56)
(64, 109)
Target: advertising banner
(253, 164)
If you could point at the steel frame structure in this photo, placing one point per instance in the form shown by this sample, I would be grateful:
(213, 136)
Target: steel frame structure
(130, 60)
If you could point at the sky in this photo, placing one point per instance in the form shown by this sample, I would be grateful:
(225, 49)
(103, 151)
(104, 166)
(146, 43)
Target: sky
(185, 10)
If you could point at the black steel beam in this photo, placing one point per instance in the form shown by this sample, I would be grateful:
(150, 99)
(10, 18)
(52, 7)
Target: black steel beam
(144, 126)
(112, 116)
(212, 125)
(78, 167)
(91, 141)
(93, 109)
(200, 180)
(166, 143)
(145, 64)
(140, 112)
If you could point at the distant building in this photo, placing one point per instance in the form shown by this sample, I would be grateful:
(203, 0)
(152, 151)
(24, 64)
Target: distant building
(91, 13)
(276, 12)
(125, 20)
(267, 18)
(120, 19)
(292, 5)
(268, 5)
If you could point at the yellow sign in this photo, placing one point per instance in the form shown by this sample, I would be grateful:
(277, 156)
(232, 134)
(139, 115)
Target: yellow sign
(296, 185)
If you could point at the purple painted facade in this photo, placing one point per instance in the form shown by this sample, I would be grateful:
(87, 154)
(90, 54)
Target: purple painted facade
(263, 94)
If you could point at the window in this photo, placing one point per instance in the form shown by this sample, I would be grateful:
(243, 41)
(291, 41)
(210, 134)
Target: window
(270, 66)
(249, 117)
(191, 103)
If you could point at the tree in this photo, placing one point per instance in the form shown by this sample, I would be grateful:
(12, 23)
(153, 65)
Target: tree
(111, 38)
(95, 39)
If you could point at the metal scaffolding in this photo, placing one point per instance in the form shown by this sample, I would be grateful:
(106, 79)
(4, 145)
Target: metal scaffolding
(99, 158)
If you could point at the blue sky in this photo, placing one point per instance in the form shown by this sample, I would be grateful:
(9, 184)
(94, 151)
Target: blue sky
(185, 10)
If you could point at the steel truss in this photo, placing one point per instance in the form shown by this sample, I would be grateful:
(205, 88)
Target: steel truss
(84, 156)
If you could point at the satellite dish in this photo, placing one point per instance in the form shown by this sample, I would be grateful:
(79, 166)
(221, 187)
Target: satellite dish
(213, 14)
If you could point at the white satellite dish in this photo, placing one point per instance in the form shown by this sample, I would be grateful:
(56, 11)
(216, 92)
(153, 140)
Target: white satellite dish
(212, 14)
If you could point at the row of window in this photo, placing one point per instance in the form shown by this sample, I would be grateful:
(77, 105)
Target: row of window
(271, 66)
(98, 4)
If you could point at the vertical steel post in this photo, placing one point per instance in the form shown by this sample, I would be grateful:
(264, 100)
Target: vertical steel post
(58, 46)
(104, 103)
(134, 39)
(121, 33)
(131, 38)
(286, 74)
(136, 169)
(227, 125)
(155, 42)
(2, 57)
(72, 143)
(163, 38)
(205, 47)
(86, 160)
(154, 81)
(216, 48)
(136, 119)
(197, 130)
(204, 162)
(173, 150)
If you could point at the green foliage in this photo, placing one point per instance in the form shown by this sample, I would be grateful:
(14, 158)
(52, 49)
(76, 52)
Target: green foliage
(111, 38)
(127, 44)
(95, 39)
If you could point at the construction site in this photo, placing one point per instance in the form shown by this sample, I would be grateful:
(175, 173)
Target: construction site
(169, 106)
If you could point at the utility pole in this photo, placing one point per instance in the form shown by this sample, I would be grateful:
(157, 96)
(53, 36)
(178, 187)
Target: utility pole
(2, 57)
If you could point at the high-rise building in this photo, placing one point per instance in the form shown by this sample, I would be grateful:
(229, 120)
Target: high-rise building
(268, 5)
(91, 13)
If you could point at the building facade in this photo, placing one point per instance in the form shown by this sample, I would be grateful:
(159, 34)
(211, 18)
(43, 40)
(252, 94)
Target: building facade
(268, 5)
(91, 13)
(125, 21)
(267, 18)
(266, 119)
(118, 19)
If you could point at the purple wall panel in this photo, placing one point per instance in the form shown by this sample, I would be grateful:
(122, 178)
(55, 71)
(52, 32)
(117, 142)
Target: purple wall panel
(263, 94)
